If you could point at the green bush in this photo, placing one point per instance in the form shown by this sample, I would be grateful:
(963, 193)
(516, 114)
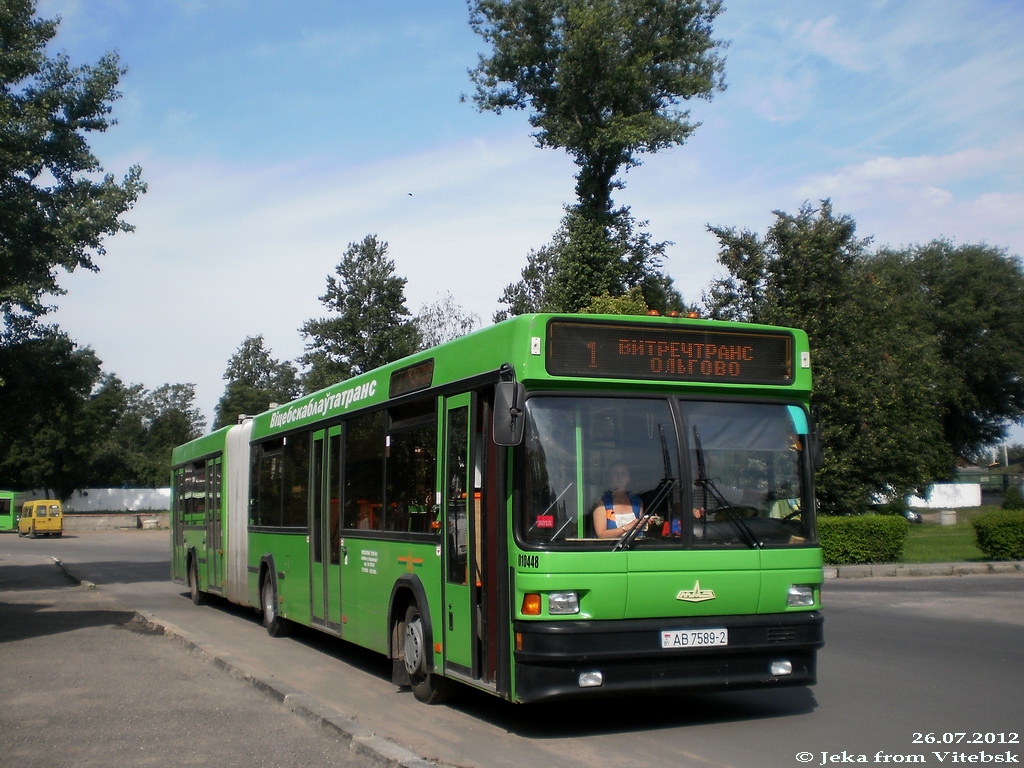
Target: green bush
(1012, 498)
(862, 539)
(1001, 534)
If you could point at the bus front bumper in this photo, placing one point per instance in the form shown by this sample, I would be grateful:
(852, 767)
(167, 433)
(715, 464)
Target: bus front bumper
(574, 659)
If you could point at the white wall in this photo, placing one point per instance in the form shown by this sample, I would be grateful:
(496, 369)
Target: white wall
(112, 499)
(949, 496)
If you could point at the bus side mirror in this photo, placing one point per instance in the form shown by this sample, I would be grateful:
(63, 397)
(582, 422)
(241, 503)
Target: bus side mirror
(509, 418)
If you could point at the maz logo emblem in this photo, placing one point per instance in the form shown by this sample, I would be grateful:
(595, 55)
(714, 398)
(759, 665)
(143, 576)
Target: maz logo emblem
(696, 595)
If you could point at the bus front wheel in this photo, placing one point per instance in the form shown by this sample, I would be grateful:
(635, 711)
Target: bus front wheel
(426, 686)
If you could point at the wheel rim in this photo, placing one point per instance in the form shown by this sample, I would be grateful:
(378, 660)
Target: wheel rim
(414, 646)
(268, 603)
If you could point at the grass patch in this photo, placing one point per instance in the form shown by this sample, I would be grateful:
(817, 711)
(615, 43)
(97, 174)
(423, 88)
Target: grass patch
(930, 542)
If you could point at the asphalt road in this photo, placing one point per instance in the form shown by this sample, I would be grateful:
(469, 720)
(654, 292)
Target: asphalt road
(908, 663)
(83, 682)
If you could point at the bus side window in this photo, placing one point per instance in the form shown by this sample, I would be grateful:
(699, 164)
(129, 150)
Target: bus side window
(457, 501)
(365, 447)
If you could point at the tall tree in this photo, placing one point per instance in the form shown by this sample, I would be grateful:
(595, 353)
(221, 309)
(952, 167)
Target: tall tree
(370, 324)
(974, 295)
(254, 381)
(876, 366)
(54, 211)
(605, 80)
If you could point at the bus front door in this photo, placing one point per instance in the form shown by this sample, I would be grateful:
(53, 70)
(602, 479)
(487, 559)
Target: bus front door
(324, 531)
(466, 583)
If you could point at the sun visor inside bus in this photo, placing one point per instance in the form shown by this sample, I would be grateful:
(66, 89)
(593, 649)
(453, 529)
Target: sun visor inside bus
(799, 419)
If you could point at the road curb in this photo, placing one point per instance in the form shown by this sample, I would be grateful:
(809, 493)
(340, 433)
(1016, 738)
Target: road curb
(361, 740)
(901, 570)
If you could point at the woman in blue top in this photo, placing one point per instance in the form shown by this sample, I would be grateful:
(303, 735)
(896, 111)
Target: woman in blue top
(619, 510)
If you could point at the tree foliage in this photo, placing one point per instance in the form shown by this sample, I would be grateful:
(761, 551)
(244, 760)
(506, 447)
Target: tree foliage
(55, 209)
(66, 425)
(444, 320)
(973, 301)
(370, 324)
(254, 381)
(631, 303)
(604, 79)
(876, 366)
(586, 260)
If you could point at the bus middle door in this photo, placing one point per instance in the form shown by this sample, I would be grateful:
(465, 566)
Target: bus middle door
(324, 531)
(215, 526)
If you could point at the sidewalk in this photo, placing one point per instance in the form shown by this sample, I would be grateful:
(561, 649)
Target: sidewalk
(897, 570)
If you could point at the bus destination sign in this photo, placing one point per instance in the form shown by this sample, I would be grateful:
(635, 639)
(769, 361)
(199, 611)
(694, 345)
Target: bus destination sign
(669, 353)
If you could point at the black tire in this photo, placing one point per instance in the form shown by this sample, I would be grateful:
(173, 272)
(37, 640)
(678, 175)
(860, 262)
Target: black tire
(197, 595)
(428, 687)
(275, 625)
(32, 533)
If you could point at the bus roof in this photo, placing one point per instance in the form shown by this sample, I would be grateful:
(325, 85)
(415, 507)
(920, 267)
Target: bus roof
(532, 346)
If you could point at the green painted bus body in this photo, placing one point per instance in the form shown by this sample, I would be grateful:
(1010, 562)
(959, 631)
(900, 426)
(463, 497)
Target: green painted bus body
(8, 511)
(478, 629)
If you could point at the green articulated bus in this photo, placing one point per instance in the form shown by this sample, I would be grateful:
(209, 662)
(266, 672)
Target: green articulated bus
(555, 506)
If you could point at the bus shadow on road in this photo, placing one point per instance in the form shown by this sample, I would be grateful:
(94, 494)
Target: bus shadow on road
(563, 719)
(570, 719)
(24, 621)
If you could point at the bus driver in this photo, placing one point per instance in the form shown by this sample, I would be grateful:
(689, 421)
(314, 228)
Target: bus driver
(619, 509)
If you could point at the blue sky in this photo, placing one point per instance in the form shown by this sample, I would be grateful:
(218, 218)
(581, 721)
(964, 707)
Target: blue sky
(274, 134)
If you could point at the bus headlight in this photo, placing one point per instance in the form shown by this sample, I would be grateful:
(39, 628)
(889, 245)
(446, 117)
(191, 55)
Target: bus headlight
(800, 596)
(563, 603)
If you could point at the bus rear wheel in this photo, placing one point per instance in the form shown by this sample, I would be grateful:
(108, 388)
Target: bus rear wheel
(198, 598)
(275, 624)
(428, 687)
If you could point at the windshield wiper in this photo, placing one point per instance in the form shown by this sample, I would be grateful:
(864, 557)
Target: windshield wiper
(724, 505)
(661, 495)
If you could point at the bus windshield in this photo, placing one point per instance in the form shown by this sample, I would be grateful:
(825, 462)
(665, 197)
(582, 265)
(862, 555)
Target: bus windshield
(682, 473)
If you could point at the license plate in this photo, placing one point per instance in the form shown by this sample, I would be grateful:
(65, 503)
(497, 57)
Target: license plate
(694, 638)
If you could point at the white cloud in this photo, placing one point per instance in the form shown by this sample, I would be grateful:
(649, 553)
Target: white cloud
(222, 251)
(866, 177)
(837, 45)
